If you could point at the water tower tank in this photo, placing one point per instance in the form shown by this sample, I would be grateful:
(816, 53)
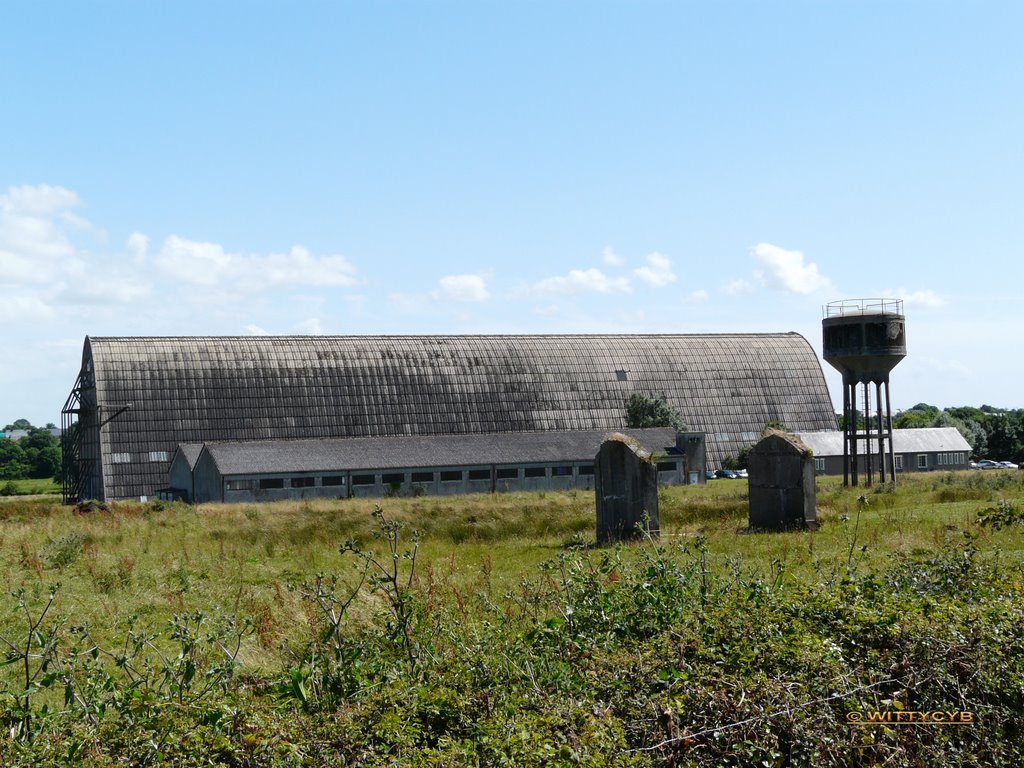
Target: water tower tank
(864, 339)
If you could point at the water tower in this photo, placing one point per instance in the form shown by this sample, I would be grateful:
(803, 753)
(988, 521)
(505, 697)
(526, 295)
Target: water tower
(864, 339)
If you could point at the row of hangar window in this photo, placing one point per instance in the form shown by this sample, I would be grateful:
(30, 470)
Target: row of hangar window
(955, 458)
(398, 478)
(154, 456)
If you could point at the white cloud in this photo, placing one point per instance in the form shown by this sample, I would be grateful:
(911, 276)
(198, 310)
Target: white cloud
(194, 262)
(737, 287)
(24, 307)
(208, 264)
(254, 330)
(461, 288)
(109, 285)
(944, 366)
(924, 298)
(696, 297)
(41, 200)
(33, 240)
(584, 281)
(300, 267)
(311, 327)
(610, 257)
(785, 270)
(658, 272)
(138, 246)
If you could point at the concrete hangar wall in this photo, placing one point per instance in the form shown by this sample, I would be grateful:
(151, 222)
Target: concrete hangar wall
(137, 399)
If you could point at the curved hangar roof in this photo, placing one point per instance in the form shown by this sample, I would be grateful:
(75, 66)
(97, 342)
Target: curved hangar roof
(154, 393)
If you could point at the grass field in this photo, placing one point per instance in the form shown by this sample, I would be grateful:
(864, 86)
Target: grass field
(28, 487)
(496, 634)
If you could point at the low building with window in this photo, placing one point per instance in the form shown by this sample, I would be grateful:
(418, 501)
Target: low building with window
(271, 470)
(915, 450)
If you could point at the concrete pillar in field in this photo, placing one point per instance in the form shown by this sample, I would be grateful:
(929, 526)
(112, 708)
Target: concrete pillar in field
(626, 490)
(781, 483)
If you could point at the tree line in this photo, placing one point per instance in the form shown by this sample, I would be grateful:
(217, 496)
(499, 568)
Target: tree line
(993, 433)
(36, 455)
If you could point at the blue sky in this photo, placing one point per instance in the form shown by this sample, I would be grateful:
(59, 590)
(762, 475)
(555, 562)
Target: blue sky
(386, 167)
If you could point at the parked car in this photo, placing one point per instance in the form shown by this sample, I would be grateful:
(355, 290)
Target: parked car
(989, 464)
(709, 475)
(742, 474)
(726, 473)
(1008, 464)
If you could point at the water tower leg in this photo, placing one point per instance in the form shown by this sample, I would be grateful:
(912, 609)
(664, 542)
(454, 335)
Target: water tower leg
(852, 432)
(868, 468)
(881, 434)
(888, 419)
(847, 415)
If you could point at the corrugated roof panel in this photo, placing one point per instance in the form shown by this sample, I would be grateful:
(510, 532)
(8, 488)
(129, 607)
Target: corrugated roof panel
(924, 440)
(363, 453)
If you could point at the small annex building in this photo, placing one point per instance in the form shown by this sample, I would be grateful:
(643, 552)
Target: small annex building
(136, 399)
(273, 470)
(914, 450)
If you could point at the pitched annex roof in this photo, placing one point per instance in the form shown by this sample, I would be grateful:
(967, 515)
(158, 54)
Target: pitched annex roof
(151, 394)
(365, 453)
(924, 440)
(189, 452)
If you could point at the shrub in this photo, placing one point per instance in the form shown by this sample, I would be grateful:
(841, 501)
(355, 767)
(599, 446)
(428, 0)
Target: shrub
(64, 551)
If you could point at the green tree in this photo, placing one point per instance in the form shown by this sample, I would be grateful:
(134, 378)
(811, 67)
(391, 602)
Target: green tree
(643, 411)
(19, 424)
(974, 435)
(1006, 436)
(46, 462)
(969, 413)
(921, 415)
(858, 419)
(740, 460)
(37, 455)
(13, 462)
(42, 453)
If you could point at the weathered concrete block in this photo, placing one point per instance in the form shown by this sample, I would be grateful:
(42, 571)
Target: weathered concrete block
(781, 484)
(626, 490)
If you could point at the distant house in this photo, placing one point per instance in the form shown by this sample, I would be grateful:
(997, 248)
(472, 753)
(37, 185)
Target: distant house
(915, 450)
(271, 470)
